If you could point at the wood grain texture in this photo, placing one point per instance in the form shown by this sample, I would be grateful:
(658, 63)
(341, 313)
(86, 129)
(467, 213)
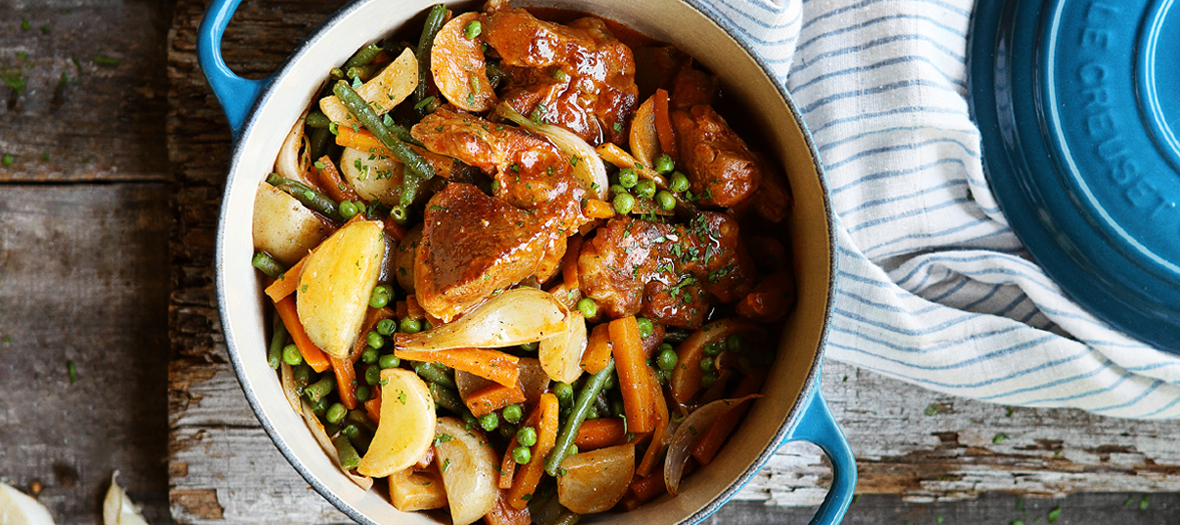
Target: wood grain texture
(93, 99)
(83, 279)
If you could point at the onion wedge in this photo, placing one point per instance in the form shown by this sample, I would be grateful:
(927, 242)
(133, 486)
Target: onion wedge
(561, 355)
(321, 437)
(117, 507)
(521, 315)
(293, 160)
(589, 170)
(688, 432)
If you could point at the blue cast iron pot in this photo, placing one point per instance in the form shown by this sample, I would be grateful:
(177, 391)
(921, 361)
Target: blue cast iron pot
(260, 113)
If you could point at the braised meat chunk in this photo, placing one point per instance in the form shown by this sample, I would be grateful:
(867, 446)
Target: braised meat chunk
(472, 245)
(577, 76)
(722, 169)
(670, 273)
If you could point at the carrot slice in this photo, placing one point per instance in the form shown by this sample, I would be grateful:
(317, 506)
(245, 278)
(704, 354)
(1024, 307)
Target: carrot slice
(508, 465)
(526, 481)
(569, 266)
(373, 406)
(493, 397)
(601, 432)
(332, 182)
(395, 231)
(664, 124)
(286, 284)
(413, 309)
(486, 363)
(311, 353)
(598, 350)
(364, 140)
(647, 487)
(686, 377)
(711, 442)
(659, 437)
(596, 209)
(345, 381)
(634, 374)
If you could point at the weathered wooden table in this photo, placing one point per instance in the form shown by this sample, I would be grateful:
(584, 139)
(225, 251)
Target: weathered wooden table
(107, 216)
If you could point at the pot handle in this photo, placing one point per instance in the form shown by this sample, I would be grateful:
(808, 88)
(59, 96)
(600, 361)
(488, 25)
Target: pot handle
(817, 426)
(236, 94)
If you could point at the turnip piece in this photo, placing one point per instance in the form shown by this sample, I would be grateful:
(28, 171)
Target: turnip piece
(595, 481)
(517, 316)
(384, 91)
(413, 490)
(469, 470)
(407, 424)
(283, 227)
(336, 283)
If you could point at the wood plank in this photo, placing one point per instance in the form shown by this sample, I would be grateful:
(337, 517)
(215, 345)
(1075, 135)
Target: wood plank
(84, 279)
(93, 101)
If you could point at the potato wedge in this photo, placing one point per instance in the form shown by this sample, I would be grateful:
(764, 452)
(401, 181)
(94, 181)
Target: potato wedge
(469, 470)
(413, 490)
(595, 481)
(283, 227)
(384, 91)
(407, 424)
(374, 177)
(644, 140)
(336, 283)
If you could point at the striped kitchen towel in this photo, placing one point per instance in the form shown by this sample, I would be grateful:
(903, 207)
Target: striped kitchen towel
(935, 289)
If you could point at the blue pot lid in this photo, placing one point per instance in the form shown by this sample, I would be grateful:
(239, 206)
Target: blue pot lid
(1079, 110)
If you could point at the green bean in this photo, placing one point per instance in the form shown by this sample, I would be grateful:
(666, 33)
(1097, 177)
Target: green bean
(447, 398)
(360, 437)
(364, 73)
(601, 405)
(311, 198)
(349, 459)
(362, 57)
(363, 113)
(317, 390)
(301, 374)
(291, 355)
(676, 335)
(275, 356)
(321, 139)
(434, 374)
(360, 417)
(434, 22)
(268, 265)
(585, 400)
(317, 120)
(399, 214)
(567, 517)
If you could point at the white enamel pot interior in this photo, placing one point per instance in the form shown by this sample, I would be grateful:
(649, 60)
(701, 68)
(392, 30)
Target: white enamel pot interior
(261, 113)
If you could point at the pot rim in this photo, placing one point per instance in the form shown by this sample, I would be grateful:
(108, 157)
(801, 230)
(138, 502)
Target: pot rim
(794, 415)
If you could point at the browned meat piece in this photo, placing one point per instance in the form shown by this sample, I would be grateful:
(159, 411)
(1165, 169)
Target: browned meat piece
(577, 76)
(472, 245)
(692, 87)
(720, 166)
(529, 171)
(771, 299)
(670, 273)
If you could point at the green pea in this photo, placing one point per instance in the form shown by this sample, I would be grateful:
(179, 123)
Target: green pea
(588, 307)
(708, 379)
(389, 361)
(351, 431)
(507, 431)
(319, 406)
(373, 375)
(623, 203)
(363, 393)
(572, 450)
(489, 421)
(667, 358)
(472, 30)
(592, 413)
(664, 164)
(370, 355)
(410, 325)
(526, 436)
(291, 355)
(628, 178)
(386, 327)
(662, 376)
(530, 347)
(348, 210)
(375, 340)
(381, 296)
(336, 413)
(645, 189)
(665, 200)
(615, 189)
(733, 343)
(522, 455)
(714, 348)
(512, 413)
(645, 327)
(707, 364)
(679, 182)
(564, 392)
(426, 326)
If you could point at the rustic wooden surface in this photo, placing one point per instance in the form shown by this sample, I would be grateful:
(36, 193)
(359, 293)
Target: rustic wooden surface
(107, 222)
